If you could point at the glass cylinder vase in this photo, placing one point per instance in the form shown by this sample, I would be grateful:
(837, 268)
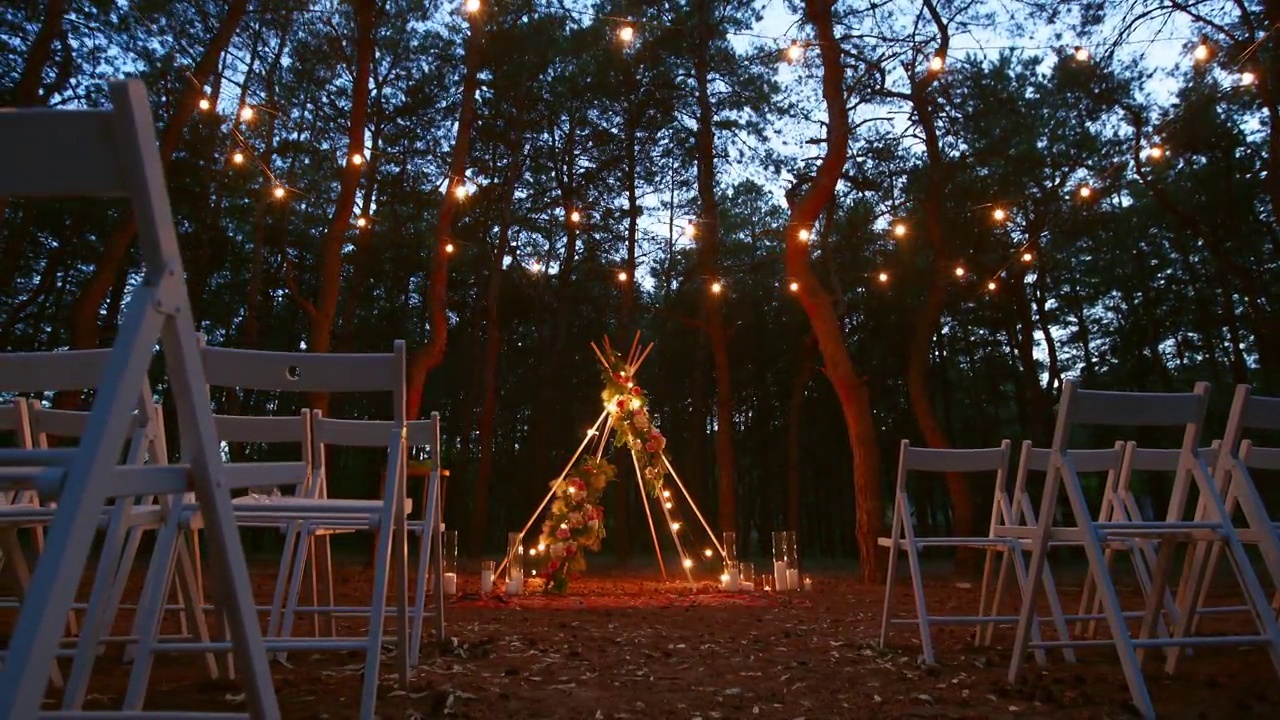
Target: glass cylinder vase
(449, 558)
(515, 564)
(793, 561)
(780, 560)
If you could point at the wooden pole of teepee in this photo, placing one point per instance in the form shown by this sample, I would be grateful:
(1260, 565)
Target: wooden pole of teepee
(640, 360)
(644, 500)
(692, 504)
(559, 481)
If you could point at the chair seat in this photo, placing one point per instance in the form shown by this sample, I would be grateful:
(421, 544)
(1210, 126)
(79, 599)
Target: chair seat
(29, 515)
(995, 542)
(319, 507)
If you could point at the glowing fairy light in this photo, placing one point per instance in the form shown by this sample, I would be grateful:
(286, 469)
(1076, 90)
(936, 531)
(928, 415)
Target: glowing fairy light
(246, 113)
(1082, 54)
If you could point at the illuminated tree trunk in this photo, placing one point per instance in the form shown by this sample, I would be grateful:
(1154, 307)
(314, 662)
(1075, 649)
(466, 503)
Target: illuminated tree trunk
(85, 328)
(708, 238)
(850, 388)
(428, 357)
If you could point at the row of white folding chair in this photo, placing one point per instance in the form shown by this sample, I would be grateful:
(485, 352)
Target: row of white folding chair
(1138, 410)
(122, 522)
(307, 373)
(1009, 512)
(112, 153)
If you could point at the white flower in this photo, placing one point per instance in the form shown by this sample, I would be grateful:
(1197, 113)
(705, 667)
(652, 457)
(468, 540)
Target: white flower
(557, 550)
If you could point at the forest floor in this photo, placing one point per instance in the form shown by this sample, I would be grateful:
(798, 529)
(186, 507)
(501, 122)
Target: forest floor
(630, 646)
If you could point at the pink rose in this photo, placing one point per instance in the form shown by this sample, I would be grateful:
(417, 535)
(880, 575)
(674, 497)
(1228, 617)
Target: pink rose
(553, 566)
(651, 447)
(563, 533)
(570, 549)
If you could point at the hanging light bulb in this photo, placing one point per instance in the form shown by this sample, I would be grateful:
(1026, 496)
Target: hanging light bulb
(278, 191)
(667, 505)
(795, 51)
(205, 104)
(361, 221)
(999, 214)
(246, 113)
(626, 34)
(883, 277)
(1082, 54)
(1027, 256)
(1247, 78)
(471, 6)
(716, 288)
(1155, 152)
(687, 563)
(448, 247)
(707, 552)
(237, 157)
(1086, 191)
(803, 234)
(460, 191)
(357, 158)
(899, 230)
(536, 267)
(666, 493)
(794, 286)
(575, 217)
(1202, 51)
(991, 285)
(675, 525)
(959, 271)
(691, 230)
(936, 63)
(622, 276)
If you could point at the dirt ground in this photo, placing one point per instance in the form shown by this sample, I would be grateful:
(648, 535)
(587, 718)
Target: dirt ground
(628, 646)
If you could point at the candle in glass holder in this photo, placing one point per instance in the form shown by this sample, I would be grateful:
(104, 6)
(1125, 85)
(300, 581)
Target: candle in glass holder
(515, 583)
(449, 551)
(730, 578)
(746, 577)
(793, 561)
(793, 579)
(451, 583)
(486, 576)
(780, 560)
(808, 584)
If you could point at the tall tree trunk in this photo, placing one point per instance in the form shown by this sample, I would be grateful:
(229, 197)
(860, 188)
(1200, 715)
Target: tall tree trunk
(85, 328)
(479, 529)
(329, 261)
(850, 388)
(708, 250)
(428, 357)
(931, 311)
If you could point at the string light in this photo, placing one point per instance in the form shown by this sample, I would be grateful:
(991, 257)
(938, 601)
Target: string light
(688, 563)
(471, 6)
(691, 230)
(1247, 78)
(883, 277)
(666, 493)
(1027, 256)
(622, 276)
(667, 505)
(675, 526)
(536, 267)
(205, 104)
(899, 230)
(626, 34)
(803, 235)
(794, 286)
(575, 217)
(357, 159)
(237, 157)
(795, 52)
(460, 191)
(999, 214)
(991, 285)
(935, 64)
(362, 221)
(1202, 52)
(716, 288)
(959, 271)
(1155, 152)
(1086, 191)
(278, 191)
(246, 113)
(1082, 54)
(707, 552)
(448, 247)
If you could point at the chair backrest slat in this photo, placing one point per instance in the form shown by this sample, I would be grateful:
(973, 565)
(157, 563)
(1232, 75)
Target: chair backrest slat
(962, 461)
(301, 372)
(1137, 409)
(1259, 458)
(1262, 413)
(63, 153)
(253, 429)
(1085, 461)
(52, 371)
(58, 423)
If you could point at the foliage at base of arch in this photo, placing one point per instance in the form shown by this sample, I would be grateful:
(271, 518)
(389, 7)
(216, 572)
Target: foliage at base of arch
(575, 522)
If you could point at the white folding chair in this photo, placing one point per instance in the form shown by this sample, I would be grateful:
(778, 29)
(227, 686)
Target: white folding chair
(1136, 410)
(989, 461)
(320, 373)
(1238, 458)
(421, 435)
(113, 153)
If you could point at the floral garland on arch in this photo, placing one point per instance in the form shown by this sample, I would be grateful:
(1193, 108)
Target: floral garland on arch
(634, 429)
(576, 521)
